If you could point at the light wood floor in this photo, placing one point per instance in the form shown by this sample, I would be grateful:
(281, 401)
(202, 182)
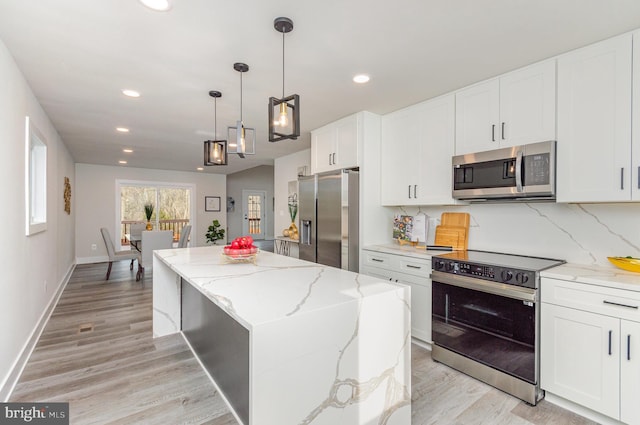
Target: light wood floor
(97, 353)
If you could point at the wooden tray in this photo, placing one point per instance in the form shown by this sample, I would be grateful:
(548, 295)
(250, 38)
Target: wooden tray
(455, 219)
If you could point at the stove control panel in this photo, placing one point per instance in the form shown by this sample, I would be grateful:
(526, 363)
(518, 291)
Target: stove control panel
(526, 278)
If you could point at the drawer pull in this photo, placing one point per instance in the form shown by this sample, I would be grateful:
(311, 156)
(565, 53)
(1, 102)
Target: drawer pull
(411, 266)
(628, 346)
(620, 305)
(377, 260)
(610, 332)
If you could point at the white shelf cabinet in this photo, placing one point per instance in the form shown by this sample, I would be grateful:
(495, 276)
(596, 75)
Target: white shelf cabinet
(337, 145)
(514, 109)
(594, 122)
(417, 146)
(590, 347)
(408, 271)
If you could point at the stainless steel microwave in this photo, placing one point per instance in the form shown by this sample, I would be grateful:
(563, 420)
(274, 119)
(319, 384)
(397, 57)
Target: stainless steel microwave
(526, 172)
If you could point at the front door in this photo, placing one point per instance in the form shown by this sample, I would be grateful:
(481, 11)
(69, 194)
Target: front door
(253, 210)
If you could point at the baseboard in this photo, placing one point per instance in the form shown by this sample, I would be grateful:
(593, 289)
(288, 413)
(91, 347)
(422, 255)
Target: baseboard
(18, 366)
(421, 343)
(580, 410)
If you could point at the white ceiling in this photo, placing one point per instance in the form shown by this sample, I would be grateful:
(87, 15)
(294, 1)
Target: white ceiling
(77, 55)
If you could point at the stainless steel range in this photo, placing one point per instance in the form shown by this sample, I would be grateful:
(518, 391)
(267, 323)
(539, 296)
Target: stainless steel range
(486, 315)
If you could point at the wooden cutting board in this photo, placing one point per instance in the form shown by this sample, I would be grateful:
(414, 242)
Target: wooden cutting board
(454, 236)
(455, 219)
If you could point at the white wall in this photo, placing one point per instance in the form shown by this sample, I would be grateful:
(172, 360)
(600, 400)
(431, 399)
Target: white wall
(257, 178)
(96, 197)
(35, 267)
(577, 233)
(285, 171)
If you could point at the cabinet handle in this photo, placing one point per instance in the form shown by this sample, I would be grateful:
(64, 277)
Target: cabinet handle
(415, 191)
(409, 191)
(411, 266)
(610, 332)
(377, 260)
(503, 131)
(334, 158)
(620, 305)
(329, 159)
(622, 178)
(629, 347)
(493, 132)
(638, 177)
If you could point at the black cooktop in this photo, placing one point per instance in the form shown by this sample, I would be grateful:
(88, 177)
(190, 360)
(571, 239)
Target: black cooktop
(510, 261)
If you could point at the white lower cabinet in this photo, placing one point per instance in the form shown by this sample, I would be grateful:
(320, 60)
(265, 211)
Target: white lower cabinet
(590, 347)
(409, 271)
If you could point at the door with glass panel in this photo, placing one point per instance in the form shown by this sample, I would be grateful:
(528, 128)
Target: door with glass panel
(253, 210)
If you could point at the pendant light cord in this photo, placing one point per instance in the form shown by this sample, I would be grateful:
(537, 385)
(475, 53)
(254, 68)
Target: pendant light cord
(240, 96)
(215, 118)
(283, 64)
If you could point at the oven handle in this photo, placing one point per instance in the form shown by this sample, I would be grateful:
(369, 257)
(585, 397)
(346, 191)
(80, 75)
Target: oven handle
(509, 291)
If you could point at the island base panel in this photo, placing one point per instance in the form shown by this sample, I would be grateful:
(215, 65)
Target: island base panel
(221, 344)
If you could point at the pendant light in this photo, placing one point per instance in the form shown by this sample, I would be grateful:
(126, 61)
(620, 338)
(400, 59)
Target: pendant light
(284, 113)
(215, 151)
(242, 140)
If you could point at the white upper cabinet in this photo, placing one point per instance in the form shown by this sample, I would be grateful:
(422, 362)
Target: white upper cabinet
(514, 109)
(594, 123)
(417, 146)
(635, 122)
(335, 146)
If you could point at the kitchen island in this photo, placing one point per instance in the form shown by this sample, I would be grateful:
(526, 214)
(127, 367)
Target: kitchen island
(287, 341)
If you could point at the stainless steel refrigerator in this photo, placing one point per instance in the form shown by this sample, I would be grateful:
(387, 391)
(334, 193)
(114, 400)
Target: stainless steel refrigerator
(328, 207)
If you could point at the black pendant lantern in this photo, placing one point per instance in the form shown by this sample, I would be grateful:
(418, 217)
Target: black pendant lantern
(242, 140)
(215, 151)
(284, 113)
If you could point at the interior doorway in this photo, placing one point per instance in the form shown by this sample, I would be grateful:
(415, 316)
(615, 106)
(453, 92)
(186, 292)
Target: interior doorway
(253, 211)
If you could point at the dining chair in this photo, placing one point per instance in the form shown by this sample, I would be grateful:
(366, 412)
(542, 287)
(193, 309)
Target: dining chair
(184, 236)
(136, 233)
(116, 255)
(152, 240)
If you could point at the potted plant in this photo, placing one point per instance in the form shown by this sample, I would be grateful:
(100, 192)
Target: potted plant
(148, 212)
(214, 232)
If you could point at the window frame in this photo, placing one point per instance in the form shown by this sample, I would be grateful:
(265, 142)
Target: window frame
(35, 179)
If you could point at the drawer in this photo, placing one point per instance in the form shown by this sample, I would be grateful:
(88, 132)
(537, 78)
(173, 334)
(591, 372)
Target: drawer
(593, 298)
(415, 266)
(385, 261)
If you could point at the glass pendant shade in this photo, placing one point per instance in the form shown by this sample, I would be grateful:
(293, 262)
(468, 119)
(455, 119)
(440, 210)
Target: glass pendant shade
(215, 152)
(242, 140)
(284, 118)
(284, 113)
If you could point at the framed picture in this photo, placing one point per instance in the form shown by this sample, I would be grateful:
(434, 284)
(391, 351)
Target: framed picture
(212, 203)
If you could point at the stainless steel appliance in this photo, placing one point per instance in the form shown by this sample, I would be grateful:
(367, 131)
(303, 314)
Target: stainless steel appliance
(526, 172)
(328, 206)
(485, 318)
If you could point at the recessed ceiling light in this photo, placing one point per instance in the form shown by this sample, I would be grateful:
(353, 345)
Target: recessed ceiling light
(122, 162)
(122, 129)
(361, 78)
(158, 5)
(199, 168)
(130, 93)
(127, 150)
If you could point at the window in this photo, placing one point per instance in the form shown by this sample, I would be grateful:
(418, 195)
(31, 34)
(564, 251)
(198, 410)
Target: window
(172, 206)
(35, 180)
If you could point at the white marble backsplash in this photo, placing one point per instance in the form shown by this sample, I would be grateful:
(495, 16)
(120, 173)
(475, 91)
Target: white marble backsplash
(578, 233)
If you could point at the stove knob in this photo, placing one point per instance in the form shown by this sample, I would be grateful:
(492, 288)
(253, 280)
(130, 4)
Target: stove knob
(450, 266)
(522, 278)
(439, 264)
(506, 275)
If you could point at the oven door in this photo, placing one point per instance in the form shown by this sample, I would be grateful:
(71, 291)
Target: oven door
(491, 323)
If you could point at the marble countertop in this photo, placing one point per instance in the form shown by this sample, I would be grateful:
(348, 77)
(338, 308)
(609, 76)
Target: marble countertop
(273, 288)
(611, 277)
(406, 250)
